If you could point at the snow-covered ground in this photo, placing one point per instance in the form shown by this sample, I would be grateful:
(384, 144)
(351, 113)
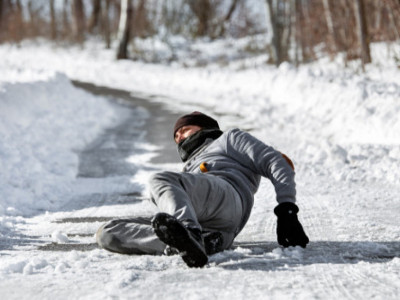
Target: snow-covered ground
(340, 126)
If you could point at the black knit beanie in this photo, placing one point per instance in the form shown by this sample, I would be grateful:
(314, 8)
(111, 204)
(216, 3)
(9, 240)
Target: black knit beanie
(196, 118)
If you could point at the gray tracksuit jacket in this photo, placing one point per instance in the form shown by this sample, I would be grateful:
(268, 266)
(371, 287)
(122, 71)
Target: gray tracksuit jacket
(241, 159)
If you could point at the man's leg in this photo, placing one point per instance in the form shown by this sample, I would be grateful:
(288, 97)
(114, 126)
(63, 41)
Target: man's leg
(130, 236)
(203, 201)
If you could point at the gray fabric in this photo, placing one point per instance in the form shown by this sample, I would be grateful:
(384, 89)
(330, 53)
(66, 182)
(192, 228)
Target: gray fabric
(198, 200)
(219, 200)
(129, 236)
(241, 159)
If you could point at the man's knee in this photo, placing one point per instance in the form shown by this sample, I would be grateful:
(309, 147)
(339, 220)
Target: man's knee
(161, 177)
(162, 181)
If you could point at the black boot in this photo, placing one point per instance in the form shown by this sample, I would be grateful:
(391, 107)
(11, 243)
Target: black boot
(188, 241)
(213, 242)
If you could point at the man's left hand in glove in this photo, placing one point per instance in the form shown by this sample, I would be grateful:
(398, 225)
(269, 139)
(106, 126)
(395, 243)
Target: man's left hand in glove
(289, 230)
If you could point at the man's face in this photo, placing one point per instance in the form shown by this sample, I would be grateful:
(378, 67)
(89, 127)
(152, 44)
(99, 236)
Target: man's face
(185, 131)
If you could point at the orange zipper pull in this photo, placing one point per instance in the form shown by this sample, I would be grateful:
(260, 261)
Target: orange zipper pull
(203, 167)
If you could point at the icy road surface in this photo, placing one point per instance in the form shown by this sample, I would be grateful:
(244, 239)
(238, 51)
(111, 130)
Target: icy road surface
(354, 251)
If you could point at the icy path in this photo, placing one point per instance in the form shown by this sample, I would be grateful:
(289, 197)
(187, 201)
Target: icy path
(354, 251)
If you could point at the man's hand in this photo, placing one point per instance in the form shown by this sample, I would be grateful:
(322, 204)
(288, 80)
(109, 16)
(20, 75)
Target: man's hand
(289, 230)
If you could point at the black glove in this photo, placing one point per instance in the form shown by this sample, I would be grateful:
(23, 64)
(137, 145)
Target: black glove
(289, 230)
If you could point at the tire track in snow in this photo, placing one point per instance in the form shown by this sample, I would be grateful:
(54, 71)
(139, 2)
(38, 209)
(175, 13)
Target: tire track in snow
(319, 225)
(326, 210)
(104, 176)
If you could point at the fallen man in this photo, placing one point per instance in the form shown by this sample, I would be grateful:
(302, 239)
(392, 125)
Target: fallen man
(203, 208)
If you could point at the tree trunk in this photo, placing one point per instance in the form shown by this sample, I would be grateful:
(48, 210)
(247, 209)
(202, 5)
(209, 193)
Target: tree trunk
(276, 38)
(202, 10)
(79, 20)
(1, 14)
(393, 24)
(95, 17)
(344, 34)
(232, 8)
(53, 29)
(329, 23)
(295, 25)
(19, 28)
(378, 15)
(306, 37)
(285, 30)
(65, 22)
(124, 31)
(106, 25)
(223, 23)
(141, 25)
(3, 9)
(362, 31)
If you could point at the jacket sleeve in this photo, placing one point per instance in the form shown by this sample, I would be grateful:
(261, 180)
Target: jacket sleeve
(265, 161)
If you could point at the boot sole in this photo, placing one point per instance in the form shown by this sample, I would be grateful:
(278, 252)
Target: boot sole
(173, 233)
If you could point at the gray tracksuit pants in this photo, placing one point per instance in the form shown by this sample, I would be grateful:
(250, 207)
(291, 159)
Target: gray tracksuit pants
(201, 200)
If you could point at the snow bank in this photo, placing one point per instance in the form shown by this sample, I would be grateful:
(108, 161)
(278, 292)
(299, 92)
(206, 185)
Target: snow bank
(341, 121)
(42, 125)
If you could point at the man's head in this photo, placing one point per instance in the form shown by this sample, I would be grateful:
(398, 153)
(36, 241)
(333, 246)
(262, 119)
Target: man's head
(189, 124)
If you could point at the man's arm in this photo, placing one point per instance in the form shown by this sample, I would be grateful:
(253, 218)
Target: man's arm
(268, 162)
(265, 161)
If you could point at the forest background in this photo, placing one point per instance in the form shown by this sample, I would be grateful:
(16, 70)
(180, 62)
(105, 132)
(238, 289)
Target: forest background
(296, 31)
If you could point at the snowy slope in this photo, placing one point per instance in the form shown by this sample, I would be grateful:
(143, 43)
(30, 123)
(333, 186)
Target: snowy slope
(41, 128)
(336, 115)
(341, 128)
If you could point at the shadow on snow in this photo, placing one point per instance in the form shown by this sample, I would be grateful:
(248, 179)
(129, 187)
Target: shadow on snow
(269, 256)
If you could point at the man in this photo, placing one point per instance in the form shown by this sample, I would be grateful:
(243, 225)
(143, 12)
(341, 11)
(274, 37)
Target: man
(203, 208)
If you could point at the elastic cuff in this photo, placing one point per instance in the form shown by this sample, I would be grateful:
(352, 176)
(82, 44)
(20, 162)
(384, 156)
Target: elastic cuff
(286, 208)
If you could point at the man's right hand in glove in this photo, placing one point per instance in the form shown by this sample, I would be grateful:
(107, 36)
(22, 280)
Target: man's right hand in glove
(289, 230)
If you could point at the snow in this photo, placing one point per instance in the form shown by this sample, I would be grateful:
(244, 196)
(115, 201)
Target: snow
(41, 127)
(340, 126)
(59, 237)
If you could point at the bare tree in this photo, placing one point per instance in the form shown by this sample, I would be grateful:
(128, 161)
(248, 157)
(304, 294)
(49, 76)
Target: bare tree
(220, 31)
(284, 25)
(79, 20)
(3, 10)
(362, 31)
(295, 28)
(378, 14)
(231, 10)
(344, 30)
(391, 12)
(1, 13)
(124, 30)
(95, 17)
(53, 25)
(276, 36)
(329, 22)
(17, 29)
(141, 24)
(306, 39)
(174, 18)
(106, 24)
(298, 27)
(203, 12)
(65, 21)
(1, 20)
